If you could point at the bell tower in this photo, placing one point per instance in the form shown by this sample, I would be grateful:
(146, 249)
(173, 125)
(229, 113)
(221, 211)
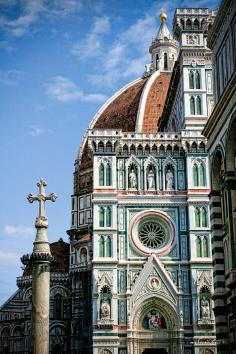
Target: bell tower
(163, 49)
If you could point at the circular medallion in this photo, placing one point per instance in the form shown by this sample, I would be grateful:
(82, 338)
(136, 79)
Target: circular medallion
(154, 283)
(152, 232)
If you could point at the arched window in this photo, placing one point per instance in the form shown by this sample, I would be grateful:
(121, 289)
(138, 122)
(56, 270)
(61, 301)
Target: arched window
(108, 217)
(108, 175)
(157, 61)
(192, 105)
(18, 340)
(202, 174)
(58, 306)
(101, 217)
(199, 105)
(188, 24)
(101, 247)
(196, 25)
(199, 247)
(195, 175)
(108, 247)
(5, 341)
(109, 146)
(191, 79)
(197, 79)
(101, 175)
(204, 217)
(100, 146)
(205, 252)
(165, 61)
(58, 340)
(197, 217)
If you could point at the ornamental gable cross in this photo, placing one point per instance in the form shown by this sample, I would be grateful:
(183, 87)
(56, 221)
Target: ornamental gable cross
(41, 198)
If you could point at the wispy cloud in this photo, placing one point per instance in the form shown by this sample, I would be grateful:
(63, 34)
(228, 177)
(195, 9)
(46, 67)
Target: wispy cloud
(119, 61)
(91, 45)
(37, 131)
(19, 230)
(29, 11)
(11, 77)
(64, 90)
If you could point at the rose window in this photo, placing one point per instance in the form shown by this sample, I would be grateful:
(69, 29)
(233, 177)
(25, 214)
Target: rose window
(152, 234)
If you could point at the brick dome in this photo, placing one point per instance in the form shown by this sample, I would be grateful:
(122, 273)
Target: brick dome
(135, 108)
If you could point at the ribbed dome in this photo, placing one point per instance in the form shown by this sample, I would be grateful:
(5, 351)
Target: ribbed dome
(135, 108)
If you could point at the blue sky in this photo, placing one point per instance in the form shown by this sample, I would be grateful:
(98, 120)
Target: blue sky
(59, 61)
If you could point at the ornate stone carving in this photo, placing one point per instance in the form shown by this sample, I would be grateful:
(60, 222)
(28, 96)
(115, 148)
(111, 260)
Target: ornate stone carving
(169, 180)
(205, 308)
(151, 179)
(133, 179)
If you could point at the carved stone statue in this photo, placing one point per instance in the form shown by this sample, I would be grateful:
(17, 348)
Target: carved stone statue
(105, 308)
(169, 180)
(205, 308)
(133, 179)
(151, 180)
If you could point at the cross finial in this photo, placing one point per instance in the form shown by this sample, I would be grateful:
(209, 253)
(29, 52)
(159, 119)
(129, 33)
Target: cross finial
(41, 198)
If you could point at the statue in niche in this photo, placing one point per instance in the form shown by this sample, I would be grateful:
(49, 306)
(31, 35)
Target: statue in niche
(205, 308)
(105, 308)
(133, 179)
(169, 180)
(151, 179)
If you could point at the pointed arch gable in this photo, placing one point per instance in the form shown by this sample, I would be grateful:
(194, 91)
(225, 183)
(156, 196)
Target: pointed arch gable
(141, 288)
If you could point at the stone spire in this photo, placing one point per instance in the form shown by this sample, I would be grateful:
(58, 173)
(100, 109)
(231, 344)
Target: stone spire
(164, 49)
(41, 258)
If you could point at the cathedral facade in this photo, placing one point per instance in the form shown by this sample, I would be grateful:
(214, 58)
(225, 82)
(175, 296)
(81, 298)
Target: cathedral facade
(140, 209)
(140, 276)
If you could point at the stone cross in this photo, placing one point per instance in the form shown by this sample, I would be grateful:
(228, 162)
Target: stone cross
(41, 198)
(41, 258)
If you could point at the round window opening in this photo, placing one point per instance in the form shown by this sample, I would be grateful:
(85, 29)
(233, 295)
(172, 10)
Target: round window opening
(153, 232)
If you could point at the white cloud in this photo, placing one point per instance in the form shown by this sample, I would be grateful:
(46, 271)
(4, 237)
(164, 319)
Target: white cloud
(20, 230)
(64, 90)
(140, 33)
(11, 77)
(37, 131)
(91, 45)
(119, 61)
(32, 10)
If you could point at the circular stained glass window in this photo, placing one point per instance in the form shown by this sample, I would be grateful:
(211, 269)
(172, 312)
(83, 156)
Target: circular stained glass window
(152, 234)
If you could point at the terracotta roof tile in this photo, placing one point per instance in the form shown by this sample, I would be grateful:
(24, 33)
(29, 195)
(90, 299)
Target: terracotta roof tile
(155, 103)
(121, 113)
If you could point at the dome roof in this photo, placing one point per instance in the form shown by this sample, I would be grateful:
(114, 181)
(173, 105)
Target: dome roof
(137, 107)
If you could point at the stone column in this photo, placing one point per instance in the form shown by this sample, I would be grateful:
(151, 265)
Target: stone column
(40, 260)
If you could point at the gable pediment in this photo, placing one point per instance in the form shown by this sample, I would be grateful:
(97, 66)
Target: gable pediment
(154, 281)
